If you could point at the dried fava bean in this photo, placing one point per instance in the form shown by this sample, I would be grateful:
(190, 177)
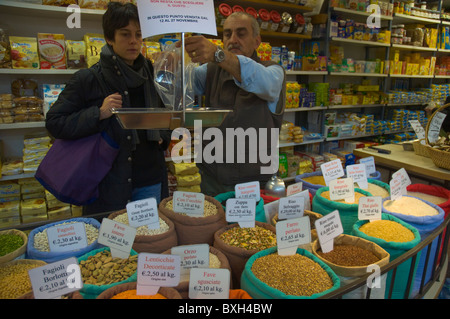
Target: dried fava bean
(349, 255)
(293, 275)
(10, 243)
(144, 230)
(387, 230)
(249, 238)
(210, 208)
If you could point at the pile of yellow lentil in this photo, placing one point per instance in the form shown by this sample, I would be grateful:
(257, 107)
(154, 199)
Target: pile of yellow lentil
(315, 180)
(210, 208)
(349, 255)
(14, 279)
(388, 230)
(295, 275)
(249, 238)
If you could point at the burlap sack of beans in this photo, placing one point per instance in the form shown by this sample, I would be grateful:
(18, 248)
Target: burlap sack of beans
(237, 257)
(72, 295)
(183, 286)
(195, 230)
(154, 244)
(167, 292)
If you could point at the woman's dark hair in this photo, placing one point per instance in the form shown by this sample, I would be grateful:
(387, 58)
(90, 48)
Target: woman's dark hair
(117, 16)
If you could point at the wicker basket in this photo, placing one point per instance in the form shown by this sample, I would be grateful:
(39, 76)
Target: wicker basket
(440, 158)
(421, 149)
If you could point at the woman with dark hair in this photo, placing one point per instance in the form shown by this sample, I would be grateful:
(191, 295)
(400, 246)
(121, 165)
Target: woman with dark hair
(121, 78)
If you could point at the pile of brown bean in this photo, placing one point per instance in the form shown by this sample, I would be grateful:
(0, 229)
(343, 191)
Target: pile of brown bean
(210, 208)
(103, 269)
(14, 280)
(249, 238)
(295, 275)
(349, 255)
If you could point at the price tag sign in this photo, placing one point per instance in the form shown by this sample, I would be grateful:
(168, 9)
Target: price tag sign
(294, 189)
(396, 188)
(328, 227)
(192, 256)
(190, 203)
(404, 179)
(369, 208)
(418, 129)
(249, 190)
(242, 211)
(307, 200)
(342, 189)
(117, 236)
(143, 213)
(358, 173)
(56, 279)
(370, 165)
(209, 283)
(332, 170)
(67, 237)
(291, 207)
(292, 233)
(435, 126)
(155, 271)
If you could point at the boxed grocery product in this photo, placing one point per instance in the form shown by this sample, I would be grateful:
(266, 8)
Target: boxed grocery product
(94, 43)
(33, 207)
(52, 51)
(283, 166)
(24, 52)
(76, 54)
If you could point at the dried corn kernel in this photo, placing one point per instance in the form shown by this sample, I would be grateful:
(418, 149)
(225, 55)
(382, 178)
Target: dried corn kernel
(388, 230)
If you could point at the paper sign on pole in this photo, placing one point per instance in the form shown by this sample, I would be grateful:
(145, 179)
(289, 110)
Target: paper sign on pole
(143, 213)
(294, 188)
(328, 227)
(117, 236)
(292, 233)
(242, 211)
(176, 16)
(210, 283)
(332, 170)
(370, 164)
(248, 190)
(155, 271)
(370, 208)
(359, 175)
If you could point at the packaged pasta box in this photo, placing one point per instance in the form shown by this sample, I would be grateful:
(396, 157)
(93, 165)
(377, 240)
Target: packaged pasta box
(94, 43)
(52, 51)
(24, 52)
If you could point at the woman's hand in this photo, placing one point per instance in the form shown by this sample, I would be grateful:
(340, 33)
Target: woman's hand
(113, 101)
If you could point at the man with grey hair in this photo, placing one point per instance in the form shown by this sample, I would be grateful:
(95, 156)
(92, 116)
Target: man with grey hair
(235, 78)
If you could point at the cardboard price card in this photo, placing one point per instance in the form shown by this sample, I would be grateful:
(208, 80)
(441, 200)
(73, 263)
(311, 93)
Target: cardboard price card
(192, 256)
(292, 233)
(342, 189)
(117, 236)
(143, 212)
(291, 207)
(370, 164)
(418, 129)
(242, 211)
(294, 188)
(56, 279)
(209, 283)
(190, 203)
(370, 208)
(249, 190)
(332, 170)
(67, 237)
(358, 173)
(328, 227)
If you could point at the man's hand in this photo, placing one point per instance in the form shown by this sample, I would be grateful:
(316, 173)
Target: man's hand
(110, 102)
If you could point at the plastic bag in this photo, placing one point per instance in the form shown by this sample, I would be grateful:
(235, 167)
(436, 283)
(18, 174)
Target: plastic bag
(168, 74)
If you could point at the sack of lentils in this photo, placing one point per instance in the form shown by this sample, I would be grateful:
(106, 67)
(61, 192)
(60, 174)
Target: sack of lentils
(14, 279)
(349, 260)
(128, 290)
(216, 260)
(396, 237)
(195, 230)
(149, 240)
(38, 247)
(13, 245)
(348, 212)
(260, 214)
(238, 244)
(268, 275)
(311, 181)
(101, 271)
(425, 217)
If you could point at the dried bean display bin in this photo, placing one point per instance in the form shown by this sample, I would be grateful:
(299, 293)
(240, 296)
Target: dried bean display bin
(91, 291)
(19, 252)
(425, 225)
(167, 292)
(195, 230)
(395, 250)
(347, 274)
(237, 257)
(183, 286)
(258, 289)
(154, 244)
(49, 256)
(347, 212)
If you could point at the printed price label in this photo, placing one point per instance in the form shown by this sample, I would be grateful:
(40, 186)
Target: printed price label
(370, 208)
(190, 203)
(117, 236)
(307, 200)
(435, 126)
(332, 170)
(67, 237)
(56, 279)
(418, 129)
(292, 233)
(396, 188)
(404, 179)
(209, 283)
(192, 256)
(358, 173)
(157, 270)
(291, 207)
(370, 164)
(242, 211)
(249, 190)
(342, 189)
(143, 212)
(328, 228)
(294, 189)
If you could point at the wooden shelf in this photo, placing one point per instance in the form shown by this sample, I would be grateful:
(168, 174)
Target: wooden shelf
(360, 13)
(23, 125)
(269, 5)
(358, 74)
(404, 18)
(38, 71)
(412, 47)
(360, 42)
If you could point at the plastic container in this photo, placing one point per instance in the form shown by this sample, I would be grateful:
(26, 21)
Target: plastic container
(252, 11)
(275, 20)
(237, 8)
(286, 22)
(263, 19)
(222, 13)
(298, 24)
